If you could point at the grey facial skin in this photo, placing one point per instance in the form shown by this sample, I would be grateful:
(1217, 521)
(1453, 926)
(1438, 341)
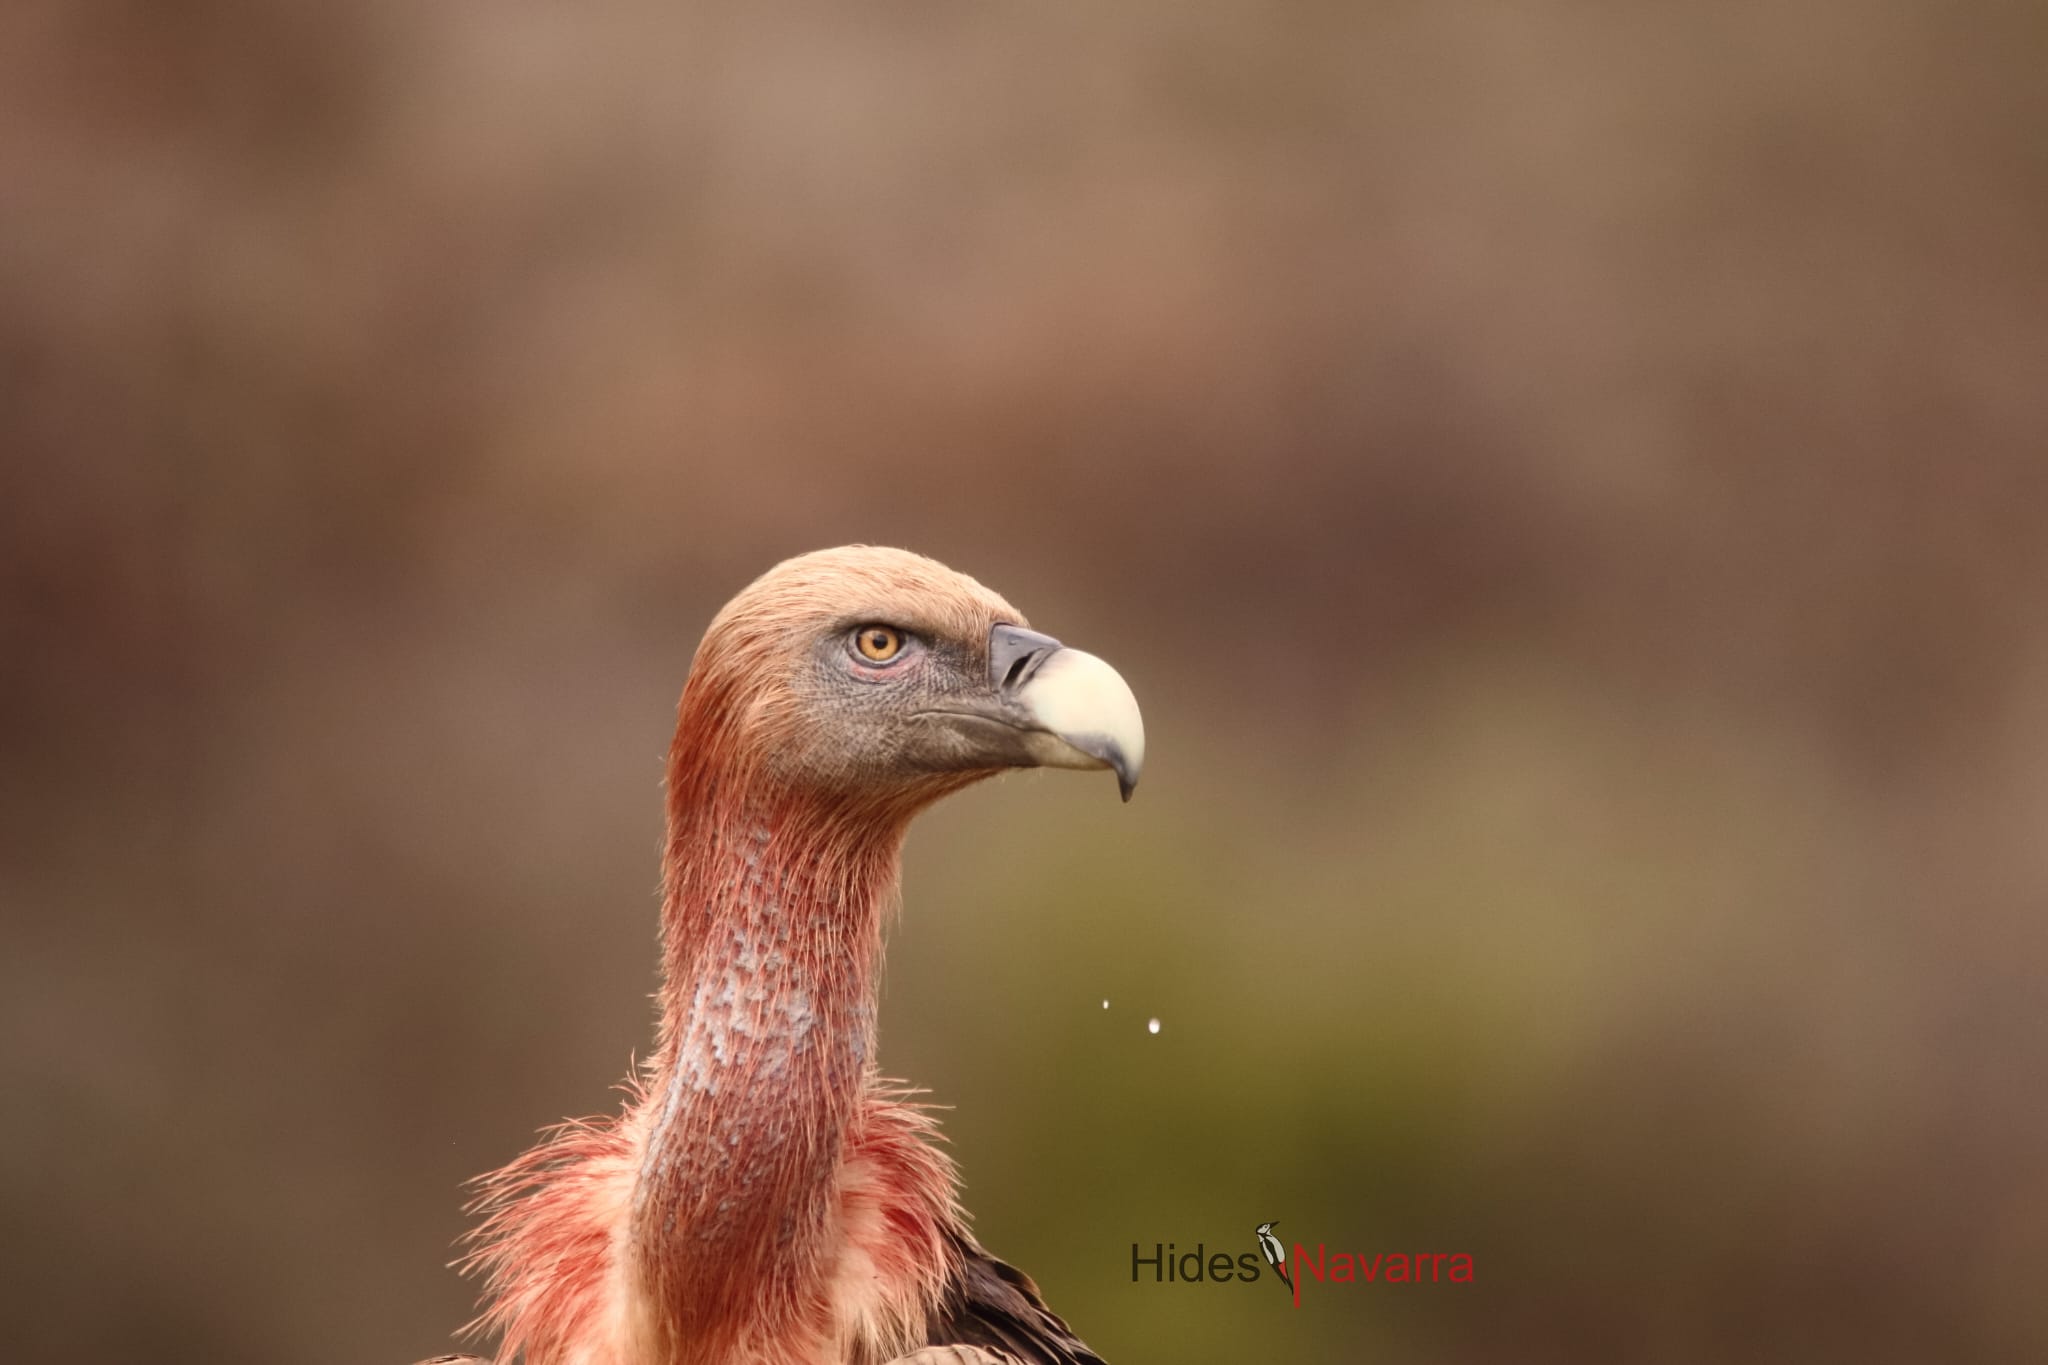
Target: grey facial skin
(1016, 700)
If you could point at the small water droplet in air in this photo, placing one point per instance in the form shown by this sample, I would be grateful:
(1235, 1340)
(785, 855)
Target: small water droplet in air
(1152, 1026)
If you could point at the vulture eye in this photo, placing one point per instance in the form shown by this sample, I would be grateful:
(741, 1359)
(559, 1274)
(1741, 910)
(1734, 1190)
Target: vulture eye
(878, 644)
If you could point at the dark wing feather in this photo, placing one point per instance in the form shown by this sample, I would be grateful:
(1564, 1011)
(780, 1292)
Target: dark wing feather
(997, 1307)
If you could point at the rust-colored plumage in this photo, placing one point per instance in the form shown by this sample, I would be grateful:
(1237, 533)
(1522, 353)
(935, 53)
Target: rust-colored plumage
(765, 1198)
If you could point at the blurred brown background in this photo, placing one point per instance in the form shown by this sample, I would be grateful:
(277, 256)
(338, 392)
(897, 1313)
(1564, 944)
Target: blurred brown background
(1567, 481)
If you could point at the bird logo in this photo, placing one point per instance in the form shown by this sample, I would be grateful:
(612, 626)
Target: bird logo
(1275, 1254)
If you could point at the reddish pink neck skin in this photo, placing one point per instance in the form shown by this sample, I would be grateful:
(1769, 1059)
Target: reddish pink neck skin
(771, 924)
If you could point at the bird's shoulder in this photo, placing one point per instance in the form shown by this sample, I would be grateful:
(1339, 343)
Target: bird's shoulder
(995, 1306)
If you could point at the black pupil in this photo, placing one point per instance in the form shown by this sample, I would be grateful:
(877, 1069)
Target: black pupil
(878, 641)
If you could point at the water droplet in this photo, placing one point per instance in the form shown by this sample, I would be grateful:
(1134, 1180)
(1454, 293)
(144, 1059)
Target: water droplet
(1152, 1026)
(1105, 1004)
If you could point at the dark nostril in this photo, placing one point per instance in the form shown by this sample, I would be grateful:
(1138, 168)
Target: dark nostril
(1015, 653)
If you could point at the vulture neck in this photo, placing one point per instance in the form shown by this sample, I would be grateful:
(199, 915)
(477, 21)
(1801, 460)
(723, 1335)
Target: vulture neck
(771, 925)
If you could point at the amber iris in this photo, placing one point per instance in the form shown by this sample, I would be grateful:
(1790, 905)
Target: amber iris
(878, 644)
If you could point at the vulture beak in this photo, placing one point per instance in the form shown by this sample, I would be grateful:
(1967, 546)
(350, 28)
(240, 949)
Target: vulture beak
(1074, 710)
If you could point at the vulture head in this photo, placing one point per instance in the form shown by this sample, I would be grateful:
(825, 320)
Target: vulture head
(875, 676)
